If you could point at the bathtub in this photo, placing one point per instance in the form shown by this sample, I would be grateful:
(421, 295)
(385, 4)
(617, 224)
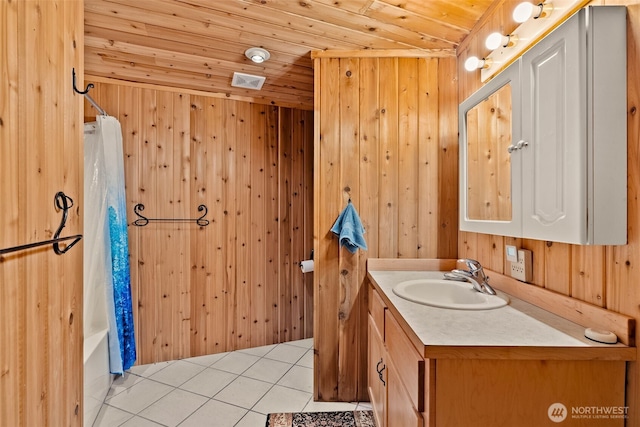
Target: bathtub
(97, 379)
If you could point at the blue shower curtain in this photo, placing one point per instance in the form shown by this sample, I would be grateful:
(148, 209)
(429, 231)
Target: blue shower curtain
(107, 197)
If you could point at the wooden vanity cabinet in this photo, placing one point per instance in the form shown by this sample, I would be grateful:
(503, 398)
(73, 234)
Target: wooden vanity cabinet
(396, 370)
(480, 386)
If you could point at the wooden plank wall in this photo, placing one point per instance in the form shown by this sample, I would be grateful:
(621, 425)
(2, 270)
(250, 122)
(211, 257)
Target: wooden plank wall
(606, 276)
(234, 283)
(40, 154)
(386, 138)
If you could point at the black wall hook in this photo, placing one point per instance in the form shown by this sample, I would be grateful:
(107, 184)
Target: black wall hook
(75, 88)
(64, 203)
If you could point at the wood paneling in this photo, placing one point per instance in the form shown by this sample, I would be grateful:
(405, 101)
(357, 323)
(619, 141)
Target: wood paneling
(602, 275)
(234, 283)
(40, 154)
(383, 139)
(199, 44)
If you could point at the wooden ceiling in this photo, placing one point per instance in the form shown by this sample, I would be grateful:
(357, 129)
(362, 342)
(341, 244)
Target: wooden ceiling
(199, 44)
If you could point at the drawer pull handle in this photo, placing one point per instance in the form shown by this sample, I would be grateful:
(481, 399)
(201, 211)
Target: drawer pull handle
(379, 370)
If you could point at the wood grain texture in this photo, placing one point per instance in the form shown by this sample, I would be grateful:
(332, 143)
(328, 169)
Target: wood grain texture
(539, 383)
(382, 140)
(40, 154)
(198, 44)
(604, 276)
(230, 285)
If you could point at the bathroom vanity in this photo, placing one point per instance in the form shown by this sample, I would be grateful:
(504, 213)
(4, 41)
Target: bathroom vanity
(517, 365)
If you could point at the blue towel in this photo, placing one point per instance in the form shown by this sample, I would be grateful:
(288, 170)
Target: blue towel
(349, 229)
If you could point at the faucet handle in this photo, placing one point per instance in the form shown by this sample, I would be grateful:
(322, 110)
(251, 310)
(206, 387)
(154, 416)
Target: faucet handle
(473, 265)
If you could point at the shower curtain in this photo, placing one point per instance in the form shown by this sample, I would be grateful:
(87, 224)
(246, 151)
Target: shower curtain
(106, 255)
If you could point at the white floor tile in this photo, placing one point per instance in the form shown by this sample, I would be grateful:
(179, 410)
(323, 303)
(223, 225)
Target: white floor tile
(207, 360)
(177, 373)
(286, 353)
(236, 362)
(306, 360)
(123, 382)
(209, 382)
(215, 414)
(282, 399)
(150, 369)
(229, 389)
(110, 416)
(267, 370)
(243, 392)
(140, 422)
(173, 408)
(306, 343)
(299, 378)
(252, 419)
(364, 406)
(139, 396)
(258, 351)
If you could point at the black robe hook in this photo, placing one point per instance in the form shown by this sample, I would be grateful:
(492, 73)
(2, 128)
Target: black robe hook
(75, 89)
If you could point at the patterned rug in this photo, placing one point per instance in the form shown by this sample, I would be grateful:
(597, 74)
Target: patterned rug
(321, 419)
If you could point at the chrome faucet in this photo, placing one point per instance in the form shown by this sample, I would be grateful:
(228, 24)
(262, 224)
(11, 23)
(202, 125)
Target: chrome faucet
(474, 275)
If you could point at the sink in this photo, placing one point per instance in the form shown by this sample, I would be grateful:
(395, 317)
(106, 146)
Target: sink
(448, 294)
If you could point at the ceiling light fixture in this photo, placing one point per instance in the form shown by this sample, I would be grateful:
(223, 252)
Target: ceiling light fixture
(527, 10)
(473, 63)
(495, 40)
(257, 54)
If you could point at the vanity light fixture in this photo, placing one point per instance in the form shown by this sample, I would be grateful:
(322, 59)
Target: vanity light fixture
(495, 40)
(526, 10)
(257, 54)
(552, 12)
(473, 63)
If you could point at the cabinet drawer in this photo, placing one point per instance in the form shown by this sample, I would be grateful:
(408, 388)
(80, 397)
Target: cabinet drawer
(408, 362)
(377, 308)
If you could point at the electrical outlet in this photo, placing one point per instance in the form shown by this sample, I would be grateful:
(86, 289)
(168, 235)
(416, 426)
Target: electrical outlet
(522, 269)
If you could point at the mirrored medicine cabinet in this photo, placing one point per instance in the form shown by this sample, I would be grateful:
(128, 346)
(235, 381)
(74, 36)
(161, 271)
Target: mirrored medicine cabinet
(543, 145)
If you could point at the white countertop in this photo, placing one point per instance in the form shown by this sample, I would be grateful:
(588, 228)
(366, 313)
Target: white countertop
(517, 324)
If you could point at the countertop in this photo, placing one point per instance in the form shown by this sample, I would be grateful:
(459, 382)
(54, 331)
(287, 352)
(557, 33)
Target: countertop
(518, 326)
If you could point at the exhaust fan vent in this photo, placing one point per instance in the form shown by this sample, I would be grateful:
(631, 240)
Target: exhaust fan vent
(247, 81)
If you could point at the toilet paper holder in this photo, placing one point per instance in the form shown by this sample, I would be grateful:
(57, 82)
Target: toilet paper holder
(307, 265)
(310, 258)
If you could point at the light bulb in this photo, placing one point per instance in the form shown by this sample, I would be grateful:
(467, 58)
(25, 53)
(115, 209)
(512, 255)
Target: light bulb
(495, 40)
(526, 10)
(257, 59)
(522, 12)
(473, 63)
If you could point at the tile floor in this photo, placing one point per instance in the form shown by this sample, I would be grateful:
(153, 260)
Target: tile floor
(238, 388)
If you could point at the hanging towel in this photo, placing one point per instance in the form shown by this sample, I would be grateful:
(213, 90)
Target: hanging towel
(349, 229)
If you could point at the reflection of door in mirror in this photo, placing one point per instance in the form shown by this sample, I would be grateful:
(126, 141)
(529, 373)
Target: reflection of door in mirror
(488, 161)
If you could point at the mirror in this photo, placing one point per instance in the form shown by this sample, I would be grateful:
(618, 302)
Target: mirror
(488, 161)
(489, 175)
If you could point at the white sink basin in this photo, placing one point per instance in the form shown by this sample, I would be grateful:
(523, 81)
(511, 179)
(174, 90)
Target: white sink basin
(448, 294)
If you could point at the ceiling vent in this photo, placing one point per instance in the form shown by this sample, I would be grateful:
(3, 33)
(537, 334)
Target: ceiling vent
(247, 81)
